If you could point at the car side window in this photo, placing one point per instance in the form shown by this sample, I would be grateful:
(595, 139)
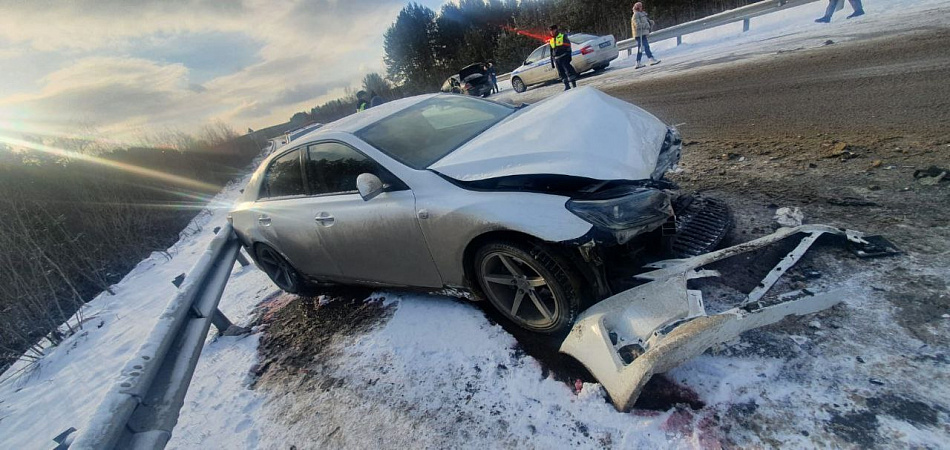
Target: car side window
(332, 168)
(284, 177)
(535, 56)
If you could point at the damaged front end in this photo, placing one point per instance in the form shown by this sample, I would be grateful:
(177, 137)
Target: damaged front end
(626, 338)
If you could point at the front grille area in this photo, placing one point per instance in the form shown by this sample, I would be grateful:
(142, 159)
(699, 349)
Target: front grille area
(700, 225)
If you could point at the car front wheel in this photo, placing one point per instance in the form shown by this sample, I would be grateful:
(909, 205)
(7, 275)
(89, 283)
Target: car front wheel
(518, 85)
(530, 285)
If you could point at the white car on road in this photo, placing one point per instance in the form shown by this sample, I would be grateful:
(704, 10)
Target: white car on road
(589, 52)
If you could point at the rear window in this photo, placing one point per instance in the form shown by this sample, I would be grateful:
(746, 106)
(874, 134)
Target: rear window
(580, 38)
(424, 133)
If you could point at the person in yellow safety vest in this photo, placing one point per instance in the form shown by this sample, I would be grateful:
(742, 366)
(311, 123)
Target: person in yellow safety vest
(561, 57)
(362, 101)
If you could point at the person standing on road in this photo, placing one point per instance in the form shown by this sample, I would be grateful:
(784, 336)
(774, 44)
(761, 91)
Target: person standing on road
(835, 5)
(375, 100)
(561, 57)
(642, 26)
(362, 101)
(493, 76)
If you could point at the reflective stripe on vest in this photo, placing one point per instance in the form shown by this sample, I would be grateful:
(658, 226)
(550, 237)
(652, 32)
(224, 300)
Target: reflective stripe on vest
(558, 41)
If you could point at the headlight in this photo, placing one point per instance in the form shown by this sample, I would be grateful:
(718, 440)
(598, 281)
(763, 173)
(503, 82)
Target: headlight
(669, 154)
(627, 207)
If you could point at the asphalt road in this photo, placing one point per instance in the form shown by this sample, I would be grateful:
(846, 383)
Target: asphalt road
(882, 86)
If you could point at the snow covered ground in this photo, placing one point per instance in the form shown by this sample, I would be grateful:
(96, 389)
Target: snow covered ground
(439, 374)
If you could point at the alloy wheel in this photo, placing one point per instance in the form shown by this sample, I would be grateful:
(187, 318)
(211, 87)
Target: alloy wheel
(277, 268)
(517, 288)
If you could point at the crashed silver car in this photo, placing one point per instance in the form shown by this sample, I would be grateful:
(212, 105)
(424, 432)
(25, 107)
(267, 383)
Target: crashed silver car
(449, 193)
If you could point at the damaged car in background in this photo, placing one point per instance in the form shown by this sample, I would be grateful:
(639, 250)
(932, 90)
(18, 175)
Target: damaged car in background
(533, 208)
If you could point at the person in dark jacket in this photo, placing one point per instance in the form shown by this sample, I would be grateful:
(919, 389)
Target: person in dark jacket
(375, 100)
(493, 76)
(561, 57)
(362, 101)
(834, 5)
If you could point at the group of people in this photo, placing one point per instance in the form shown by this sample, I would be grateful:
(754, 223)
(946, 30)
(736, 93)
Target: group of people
(366, 100)
(641, 26)
(560, 43)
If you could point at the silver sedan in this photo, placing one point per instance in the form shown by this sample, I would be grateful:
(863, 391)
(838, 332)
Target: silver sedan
(454, 194)
(588, 52)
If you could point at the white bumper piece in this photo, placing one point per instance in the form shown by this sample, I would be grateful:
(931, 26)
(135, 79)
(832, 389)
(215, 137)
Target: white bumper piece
(626, 338)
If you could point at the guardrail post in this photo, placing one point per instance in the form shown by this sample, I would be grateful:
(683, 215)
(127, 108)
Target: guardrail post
(679, 40)
(220, 321)
(242, 259)
(745, 25)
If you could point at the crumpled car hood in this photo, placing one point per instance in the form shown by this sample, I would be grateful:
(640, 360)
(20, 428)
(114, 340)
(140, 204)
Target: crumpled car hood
(582, 132)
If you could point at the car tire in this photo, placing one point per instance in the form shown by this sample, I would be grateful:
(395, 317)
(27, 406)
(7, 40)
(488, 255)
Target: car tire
(601, 68)
(284, 275)
(530, 284)
(518, 85)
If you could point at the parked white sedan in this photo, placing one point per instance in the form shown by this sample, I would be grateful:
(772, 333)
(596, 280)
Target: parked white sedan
(589, 52)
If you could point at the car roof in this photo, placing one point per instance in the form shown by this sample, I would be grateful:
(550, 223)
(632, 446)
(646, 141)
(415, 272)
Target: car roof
(355, 122)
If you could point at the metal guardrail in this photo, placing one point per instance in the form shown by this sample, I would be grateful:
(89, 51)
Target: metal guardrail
(142, 408)
(744, 14)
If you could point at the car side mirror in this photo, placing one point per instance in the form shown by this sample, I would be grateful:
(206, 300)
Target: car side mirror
(369, 186)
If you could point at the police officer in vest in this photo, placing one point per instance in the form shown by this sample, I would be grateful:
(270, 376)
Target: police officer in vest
(362, 101)
(561, 57)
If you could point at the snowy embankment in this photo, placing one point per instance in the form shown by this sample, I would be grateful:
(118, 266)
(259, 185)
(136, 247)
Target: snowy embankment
(439, 374)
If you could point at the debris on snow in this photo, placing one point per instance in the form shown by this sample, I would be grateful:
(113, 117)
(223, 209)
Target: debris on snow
(789, 216)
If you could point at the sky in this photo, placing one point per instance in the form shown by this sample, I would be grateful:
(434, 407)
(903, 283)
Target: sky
(126, 68)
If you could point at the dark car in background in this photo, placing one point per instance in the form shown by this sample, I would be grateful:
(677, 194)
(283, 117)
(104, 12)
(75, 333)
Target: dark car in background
(473, 79)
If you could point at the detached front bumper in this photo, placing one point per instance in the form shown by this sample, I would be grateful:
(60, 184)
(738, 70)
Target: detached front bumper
(626, 338)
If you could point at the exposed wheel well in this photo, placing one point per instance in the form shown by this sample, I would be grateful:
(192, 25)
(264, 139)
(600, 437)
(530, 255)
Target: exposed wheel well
(569, 254)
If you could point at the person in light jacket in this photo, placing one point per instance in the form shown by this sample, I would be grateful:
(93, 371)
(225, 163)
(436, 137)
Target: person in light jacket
(642, 26)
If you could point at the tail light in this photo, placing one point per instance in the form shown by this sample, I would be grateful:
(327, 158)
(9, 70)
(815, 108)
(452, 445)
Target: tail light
(587, 50)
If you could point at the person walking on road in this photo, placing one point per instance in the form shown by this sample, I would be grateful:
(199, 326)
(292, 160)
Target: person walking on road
(642, 26)
(493, 77)
(561, 57)
(835, 5)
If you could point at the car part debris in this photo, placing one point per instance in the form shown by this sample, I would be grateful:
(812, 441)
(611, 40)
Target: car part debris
(651, 328)
(876, 246)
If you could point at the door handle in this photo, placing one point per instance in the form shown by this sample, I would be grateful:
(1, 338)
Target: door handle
(263, 220)
(324, 218)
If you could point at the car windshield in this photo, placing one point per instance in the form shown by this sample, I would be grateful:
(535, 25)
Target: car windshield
(424, 133)
(581, 38)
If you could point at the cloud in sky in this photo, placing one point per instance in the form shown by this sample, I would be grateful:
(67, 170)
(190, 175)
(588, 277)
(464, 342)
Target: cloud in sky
(128, 66)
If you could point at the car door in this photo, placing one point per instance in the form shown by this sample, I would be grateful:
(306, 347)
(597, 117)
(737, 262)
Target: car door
(379, 240)
(538, 66)
(284, 217)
